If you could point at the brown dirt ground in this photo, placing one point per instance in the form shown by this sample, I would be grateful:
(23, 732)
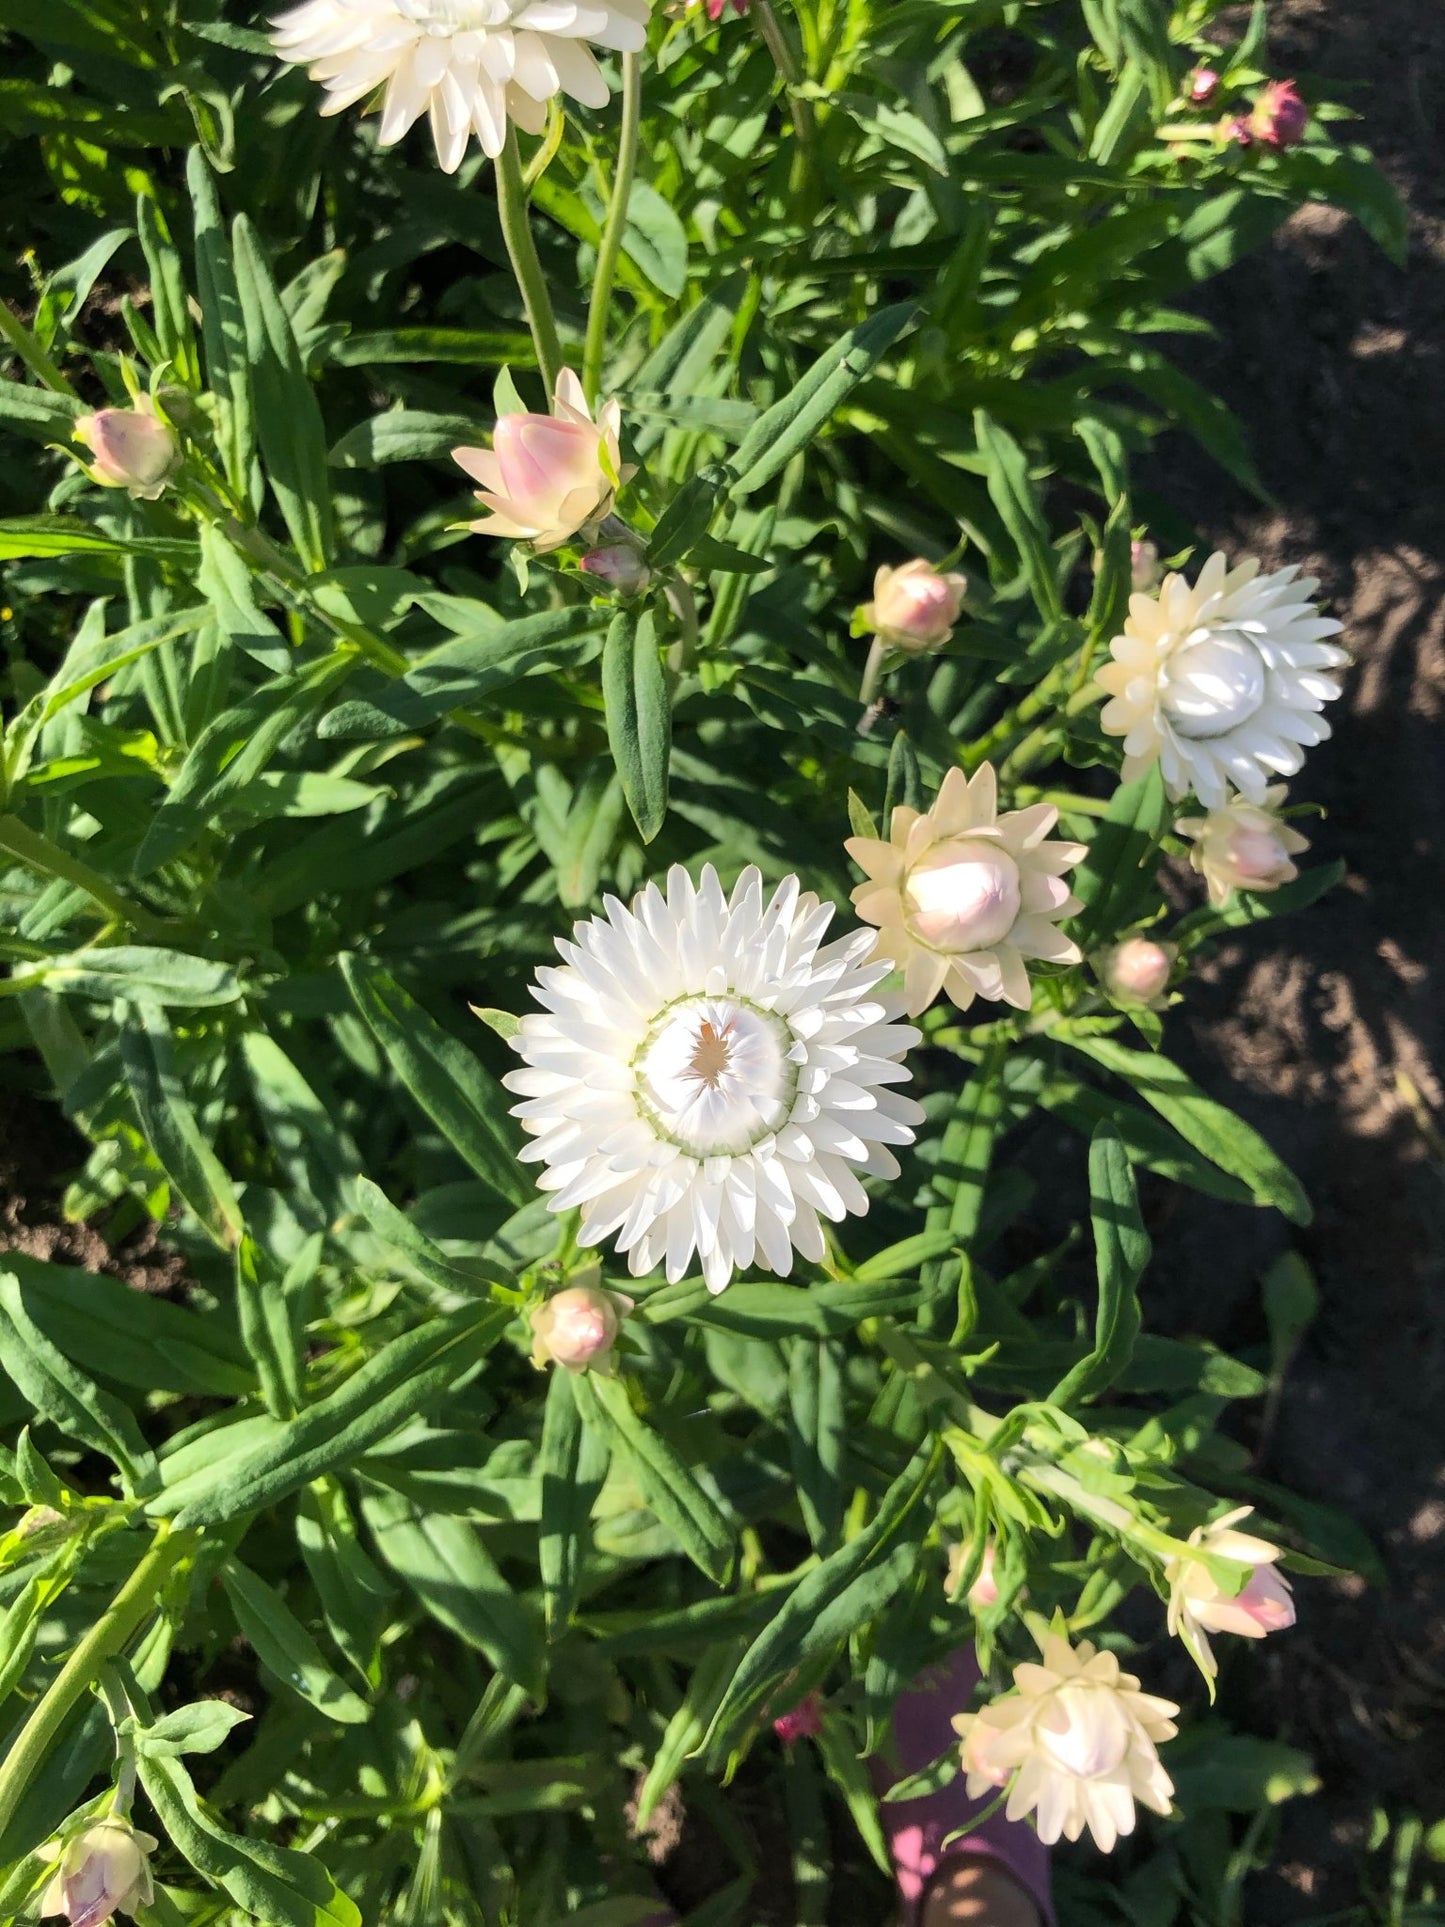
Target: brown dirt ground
(1326, 1030)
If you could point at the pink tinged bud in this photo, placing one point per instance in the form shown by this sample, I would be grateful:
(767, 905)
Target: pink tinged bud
(1137, 971)
(1203, 85)
(717, 8)
(984, 1590)
(1239, 131)
(1144, 567)
(1259, 860)
(578, 1328)
(1265, 1606)
(965, 895)
(100, 1872)
(804, 1722)
(1280, 116)
(914, 607)
(132, 449)
(620, 567)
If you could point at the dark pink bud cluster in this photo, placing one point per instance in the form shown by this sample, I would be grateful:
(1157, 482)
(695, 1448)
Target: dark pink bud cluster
(1278, 119)
(804, 1722)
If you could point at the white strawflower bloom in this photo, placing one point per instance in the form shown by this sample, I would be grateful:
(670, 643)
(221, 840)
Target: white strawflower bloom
(1075, 1742)
(1221, 683)
(1199, 1605)
(1244, 846)
(963, 895)
(470, 65)
(709, 1078)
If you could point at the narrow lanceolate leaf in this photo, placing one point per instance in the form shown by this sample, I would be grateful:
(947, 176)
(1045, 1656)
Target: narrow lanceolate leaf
(354, 1596)
(452, 1086)
(283, 1645)
(147, 1051)
(451, 1572)
(226, 582)
(1213, 1130)
(288, 418)
(169, 312)
(1121, 1251)
(141, 970)
(817, 1427)
(781, 431)
(1017, 502)
(639, 716)
(669, 1487)
(573, 1464)
(849, 1588)
(390, 1388)
(688, 1726)
(57, 1390)
(274, 1884)
(1115, 878)
(223, 327)
(267, 1328)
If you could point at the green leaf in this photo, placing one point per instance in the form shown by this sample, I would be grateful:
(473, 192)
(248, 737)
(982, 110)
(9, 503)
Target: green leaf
(142, 972)
(442, 1075)
(572, 1466)
(451, 1572)
(198, 1728)
(39, 414)
(394, 1228)
(668, 1486)
(226, 582)
(831, 1310)
(1115, 881)
(170, 315)
(817, 1429)
(687, 1728)
(1239, 1774)
(686, 519)
(285, 1648)
(1121, 1251)
(288, 418)
(390, 1388)
(655, 240)
(223, 327)
(839, 1595)
(274, 1884)
(1226, 1140)
(404, 435)
(787, 428)
(268, 1325)
(354, 1596)
(148, 1053)
(1014, 496)
(639, 716)
(58, 1391)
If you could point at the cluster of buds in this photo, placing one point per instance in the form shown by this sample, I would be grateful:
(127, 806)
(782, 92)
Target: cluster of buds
(577, 1328)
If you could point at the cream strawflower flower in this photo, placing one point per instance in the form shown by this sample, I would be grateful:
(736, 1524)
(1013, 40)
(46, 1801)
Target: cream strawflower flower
(1244, 846)
(100, 1871)
(546, 477)
(708, 1078)
(1074, 1742)
(1222, 682)
(1199, 1605)
(470, 65)
(962, 895)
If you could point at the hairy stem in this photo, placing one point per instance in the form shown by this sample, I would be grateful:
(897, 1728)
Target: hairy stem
(522, 251)
(613, 228)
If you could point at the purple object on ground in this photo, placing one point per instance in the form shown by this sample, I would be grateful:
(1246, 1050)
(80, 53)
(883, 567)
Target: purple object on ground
(916, 1829)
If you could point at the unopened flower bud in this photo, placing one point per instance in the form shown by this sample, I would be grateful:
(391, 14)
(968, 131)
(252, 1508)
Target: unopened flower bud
(1280, 117)
(984, 1590)
(99, 1872)
(914, 607)
(1199, 1605)
(1144, 567)
(547, 477)
(621, 567)
(1244, 846)
(578, 1328)
(1137, 970)
(133, 448)
(802, 1722)
(1202, 85)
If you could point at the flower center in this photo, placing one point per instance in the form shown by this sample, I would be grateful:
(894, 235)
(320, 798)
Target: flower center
(1213, 682)
(1084, 1730)
(1256, 854)
(964, 895)
(442, 18)
(715, 1075)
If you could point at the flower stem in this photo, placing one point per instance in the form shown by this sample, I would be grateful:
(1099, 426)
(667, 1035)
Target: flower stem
(28, 846)
(791, 75)
(522, 250)
(106, 1638)
(614, 227)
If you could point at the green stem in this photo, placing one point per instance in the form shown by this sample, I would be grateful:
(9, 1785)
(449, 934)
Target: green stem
(28, 846)
(522, 250)
(31, 352)
(613, 228)
(791, 75)
(110, 1633)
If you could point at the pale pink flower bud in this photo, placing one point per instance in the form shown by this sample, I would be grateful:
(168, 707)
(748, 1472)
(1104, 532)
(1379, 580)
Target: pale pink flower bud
(964, 896)
(1075, 1741)
(578, 1328)
(1202, 85)
(802, 1722)
(1144, 567)
(914, 607)
(1200, 1605)
(1280, 117)
(620, 566)
(546, 477)
(984, 1590)
(133, 448)
(1137, 970)
(99, 1872)
(1244, 846)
